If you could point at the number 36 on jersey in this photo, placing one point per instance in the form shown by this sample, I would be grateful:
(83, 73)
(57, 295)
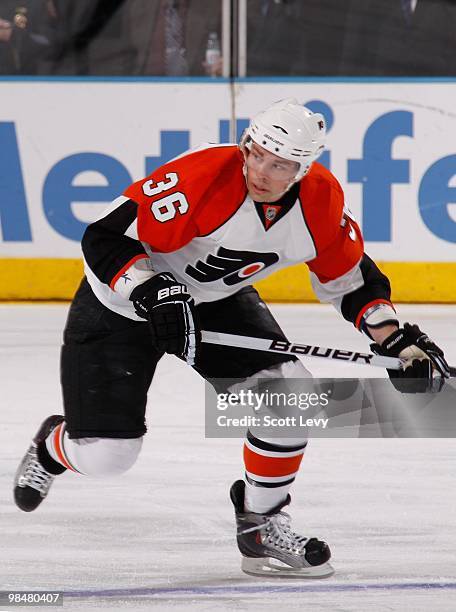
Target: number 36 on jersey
(169, 205)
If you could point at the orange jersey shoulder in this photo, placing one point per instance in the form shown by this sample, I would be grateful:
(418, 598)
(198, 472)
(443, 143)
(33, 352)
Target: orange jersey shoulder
(322, 201)
(337, 238)
(188, 197)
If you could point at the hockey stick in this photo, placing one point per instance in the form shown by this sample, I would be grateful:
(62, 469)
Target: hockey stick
(307, 350)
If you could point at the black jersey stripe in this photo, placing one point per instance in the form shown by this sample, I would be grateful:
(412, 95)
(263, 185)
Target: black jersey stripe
(105, 247)
(376, 287)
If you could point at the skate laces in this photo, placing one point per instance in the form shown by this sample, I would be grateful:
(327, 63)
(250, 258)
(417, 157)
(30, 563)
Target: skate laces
(279, 534)
(35, 476)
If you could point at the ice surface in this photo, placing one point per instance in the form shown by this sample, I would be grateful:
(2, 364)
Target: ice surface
(162, 535)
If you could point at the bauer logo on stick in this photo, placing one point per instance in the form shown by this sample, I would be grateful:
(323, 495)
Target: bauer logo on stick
(318, 351)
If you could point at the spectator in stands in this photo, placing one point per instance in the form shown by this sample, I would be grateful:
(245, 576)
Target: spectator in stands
(294, 37)
(172, 36)
(134, 37)
(90, 37)
(399, 38)
(23, 39)
(351, 37)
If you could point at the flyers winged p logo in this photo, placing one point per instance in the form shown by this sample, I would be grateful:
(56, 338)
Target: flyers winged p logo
(231, 266)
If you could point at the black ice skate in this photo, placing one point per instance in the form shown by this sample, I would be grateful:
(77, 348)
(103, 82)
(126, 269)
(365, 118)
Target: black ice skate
(270, 548)
(37, 469)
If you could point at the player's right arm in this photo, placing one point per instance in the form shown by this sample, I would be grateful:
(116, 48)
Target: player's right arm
(181, 200)
(113, 251)
(185, 198)
(153, 214)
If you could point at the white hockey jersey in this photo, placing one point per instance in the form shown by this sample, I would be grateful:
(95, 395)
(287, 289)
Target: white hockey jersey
(193, 217)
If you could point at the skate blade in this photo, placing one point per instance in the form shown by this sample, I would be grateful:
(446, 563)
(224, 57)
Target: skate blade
(274, 568)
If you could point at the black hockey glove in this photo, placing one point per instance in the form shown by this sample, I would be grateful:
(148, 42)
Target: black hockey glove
(170, 310)
(422, 359)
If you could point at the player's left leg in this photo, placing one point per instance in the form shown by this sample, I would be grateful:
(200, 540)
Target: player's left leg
(107, 364)
(265, 539)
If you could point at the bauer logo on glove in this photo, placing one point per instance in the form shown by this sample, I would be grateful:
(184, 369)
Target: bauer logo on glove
(170, 311)
(168, 291)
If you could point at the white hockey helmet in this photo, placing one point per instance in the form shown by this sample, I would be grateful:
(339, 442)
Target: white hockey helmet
(290, 130)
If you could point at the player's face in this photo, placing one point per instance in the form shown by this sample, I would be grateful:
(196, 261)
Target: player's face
(268, 175)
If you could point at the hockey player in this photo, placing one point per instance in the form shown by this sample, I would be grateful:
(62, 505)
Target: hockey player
(177, 253)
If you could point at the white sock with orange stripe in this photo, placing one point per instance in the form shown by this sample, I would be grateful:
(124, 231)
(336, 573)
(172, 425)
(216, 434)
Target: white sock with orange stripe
(97, 457)
(56, 444)
(270, 469)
